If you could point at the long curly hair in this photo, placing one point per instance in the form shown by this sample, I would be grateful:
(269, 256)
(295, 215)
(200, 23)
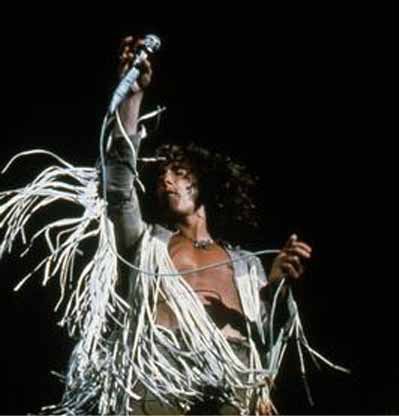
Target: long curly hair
(226, 188)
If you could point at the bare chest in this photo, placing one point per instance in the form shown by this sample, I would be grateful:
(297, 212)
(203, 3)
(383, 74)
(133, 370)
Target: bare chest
(212, 284)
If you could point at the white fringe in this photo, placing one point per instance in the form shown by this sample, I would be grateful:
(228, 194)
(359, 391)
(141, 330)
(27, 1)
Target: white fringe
(119, 343)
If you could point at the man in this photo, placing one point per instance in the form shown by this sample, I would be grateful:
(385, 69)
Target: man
(168, 318)
(191, 248)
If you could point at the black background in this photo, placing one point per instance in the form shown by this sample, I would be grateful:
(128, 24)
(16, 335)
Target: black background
(306, 95)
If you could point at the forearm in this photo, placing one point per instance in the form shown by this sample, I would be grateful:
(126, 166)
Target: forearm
(129, 112)
(123, 205)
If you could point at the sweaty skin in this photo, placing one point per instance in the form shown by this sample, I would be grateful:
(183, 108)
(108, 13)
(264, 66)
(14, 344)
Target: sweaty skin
(214, 287)
(177, 193)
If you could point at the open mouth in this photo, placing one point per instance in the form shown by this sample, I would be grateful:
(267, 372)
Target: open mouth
(172, 193)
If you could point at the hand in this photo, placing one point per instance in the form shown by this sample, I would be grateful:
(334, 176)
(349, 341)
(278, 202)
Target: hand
(126, 57)
(289, 262)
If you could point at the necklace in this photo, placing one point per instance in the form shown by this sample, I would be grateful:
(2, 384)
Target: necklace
(200, 244)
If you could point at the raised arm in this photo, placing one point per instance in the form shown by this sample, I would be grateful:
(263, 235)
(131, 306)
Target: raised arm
(123, 205)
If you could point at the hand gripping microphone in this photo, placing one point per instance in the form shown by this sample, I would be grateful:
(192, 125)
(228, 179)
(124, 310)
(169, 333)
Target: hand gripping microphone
(151, 44)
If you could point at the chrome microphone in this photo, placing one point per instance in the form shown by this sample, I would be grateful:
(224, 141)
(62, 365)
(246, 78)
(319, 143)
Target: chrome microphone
(151, 44)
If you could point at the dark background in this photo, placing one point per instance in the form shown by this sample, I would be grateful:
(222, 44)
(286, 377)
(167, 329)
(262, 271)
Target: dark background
(306, 95)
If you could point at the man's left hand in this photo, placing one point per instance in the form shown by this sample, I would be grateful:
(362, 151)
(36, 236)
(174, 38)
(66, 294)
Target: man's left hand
(289, 262)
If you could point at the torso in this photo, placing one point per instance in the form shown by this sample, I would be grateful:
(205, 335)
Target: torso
(214, 286)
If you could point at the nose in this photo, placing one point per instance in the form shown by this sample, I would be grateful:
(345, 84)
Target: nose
(167, 177)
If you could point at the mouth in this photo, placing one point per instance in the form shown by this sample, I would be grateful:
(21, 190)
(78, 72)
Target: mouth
(172, 196)
(171, 193)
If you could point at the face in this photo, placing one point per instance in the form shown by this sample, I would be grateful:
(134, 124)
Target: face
(177, 189)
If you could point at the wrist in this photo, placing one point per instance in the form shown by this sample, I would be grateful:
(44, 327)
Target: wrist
(136, 89)
(275, 276)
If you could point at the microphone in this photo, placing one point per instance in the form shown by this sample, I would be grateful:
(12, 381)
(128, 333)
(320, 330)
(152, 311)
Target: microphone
(151, 44)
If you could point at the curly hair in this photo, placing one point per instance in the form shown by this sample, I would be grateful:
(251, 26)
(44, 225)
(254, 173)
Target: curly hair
(225, 187)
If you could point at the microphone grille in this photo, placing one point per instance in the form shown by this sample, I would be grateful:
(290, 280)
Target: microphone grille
(152, 43)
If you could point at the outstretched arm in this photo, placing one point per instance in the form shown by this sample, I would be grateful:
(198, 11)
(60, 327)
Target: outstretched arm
(123, 205)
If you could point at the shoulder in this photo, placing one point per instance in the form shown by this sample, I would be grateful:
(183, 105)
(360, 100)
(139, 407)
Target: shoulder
(245, 255)
(160, 232)
(248, 260)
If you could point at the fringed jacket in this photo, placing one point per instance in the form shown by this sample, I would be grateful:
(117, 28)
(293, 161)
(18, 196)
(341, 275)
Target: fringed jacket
(118, 342)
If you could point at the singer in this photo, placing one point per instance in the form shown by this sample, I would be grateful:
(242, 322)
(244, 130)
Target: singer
(168, 317)
(209, 334)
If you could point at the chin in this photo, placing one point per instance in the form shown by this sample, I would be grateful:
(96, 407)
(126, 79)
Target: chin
(176, 211)
(180, 213)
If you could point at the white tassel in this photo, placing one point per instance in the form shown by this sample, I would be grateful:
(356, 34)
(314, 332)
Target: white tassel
(120, 343)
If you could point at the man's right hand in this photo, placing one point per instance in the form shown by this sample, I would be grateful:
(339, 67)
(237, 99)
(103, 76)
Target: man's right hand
(126, 57)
